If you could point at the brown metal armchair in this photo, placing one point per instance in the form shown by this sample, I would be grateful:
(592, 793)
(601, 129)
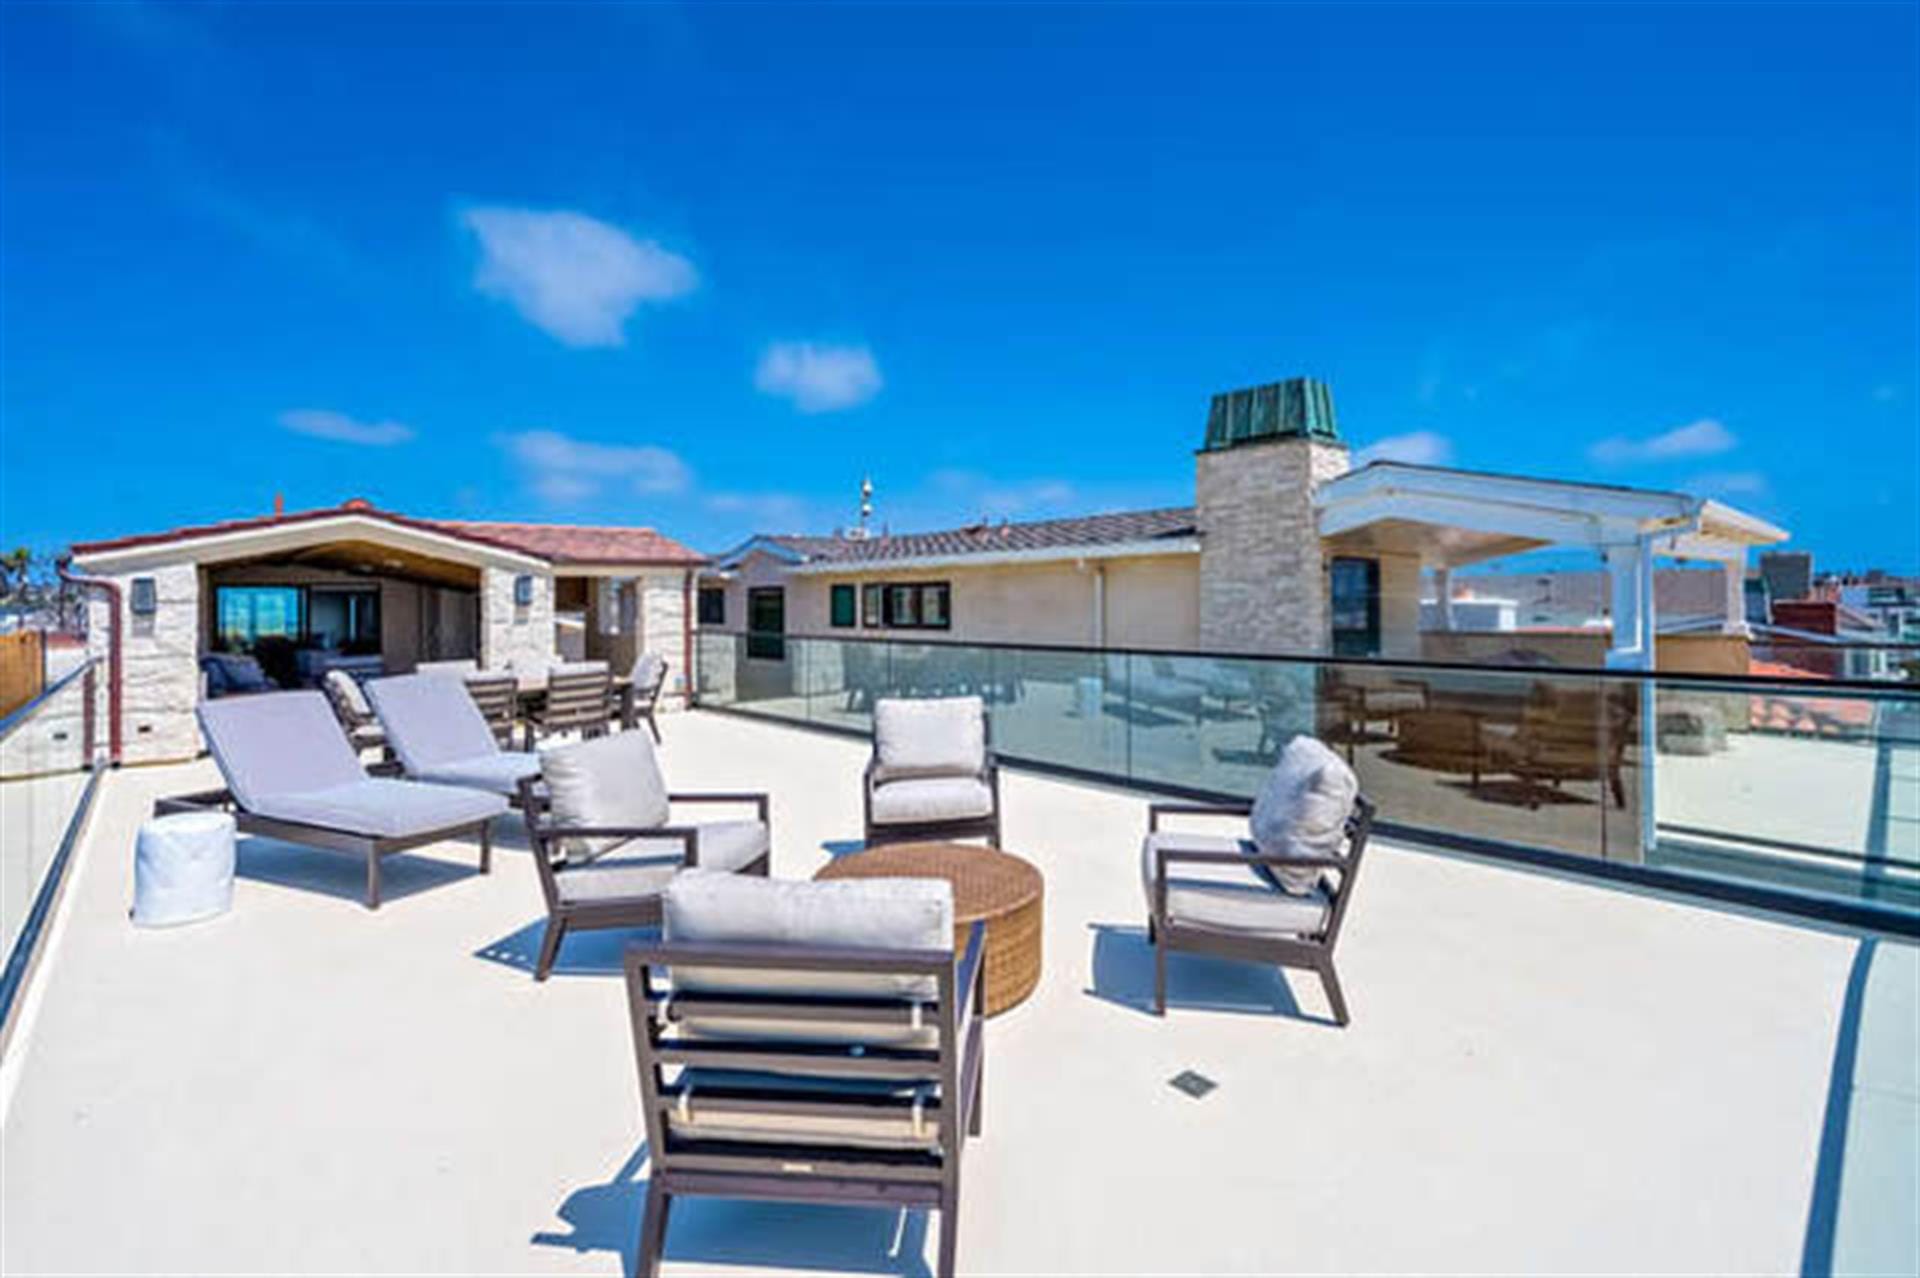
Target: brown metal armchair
(1216, 894)
(859, 1094)
(932, 774)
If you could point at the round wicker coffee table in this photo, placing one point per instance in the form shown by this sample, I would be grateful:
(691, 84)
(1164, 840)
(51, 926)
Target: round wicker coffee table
(990, 885)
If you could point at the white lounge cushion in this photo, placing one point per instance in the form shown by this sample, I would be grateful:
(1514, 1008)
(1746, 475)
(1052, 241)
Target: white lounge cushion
(611, 781)
(278, 743)
(936, 737)
(1302, 809)
(431, 721)
(919, 799)
(381, 807)
(649, 672)
(1228, 898)
(501, 773)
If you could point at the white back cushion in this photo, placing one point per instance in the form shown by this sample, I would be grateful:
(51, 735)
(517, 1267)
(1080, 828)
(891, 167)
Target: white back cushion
(608, 781)
(276, 743)
(431, 721)
(1302, 809)
(943, 736)
(902, 914)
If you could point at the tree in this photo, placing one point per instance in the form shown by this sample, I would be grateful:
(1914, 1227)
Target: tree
(15, 567)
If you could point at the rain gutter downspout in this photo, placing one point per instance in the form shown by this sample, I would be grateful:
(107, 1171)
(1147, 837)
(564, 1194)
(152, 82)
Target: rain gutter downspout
(114, 680)
(686, 637)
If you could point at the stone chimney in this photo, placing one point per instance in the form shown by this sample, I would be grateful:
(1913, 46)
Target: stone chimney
(1263, 582)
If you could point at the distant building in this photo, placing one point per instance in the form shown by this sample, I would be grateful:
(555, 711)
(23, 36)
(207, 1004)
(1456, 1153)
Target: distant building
(1788, 573)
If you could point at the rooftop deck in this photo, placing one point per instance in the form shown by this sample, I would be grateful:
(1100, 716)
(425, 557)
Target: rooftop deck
(1541, 1075)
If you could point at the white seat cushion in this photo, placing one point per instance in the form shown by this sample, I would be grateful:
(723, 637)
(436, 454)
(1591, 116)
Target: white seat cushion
(381, 807)
(644, 866)
(1302, 809)
(501, 773)
(1229, 898)
(919, 799)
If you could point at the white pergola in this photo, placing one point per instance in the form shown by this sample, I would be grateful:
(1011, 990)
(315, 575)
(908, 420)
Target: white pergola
(1453, 518)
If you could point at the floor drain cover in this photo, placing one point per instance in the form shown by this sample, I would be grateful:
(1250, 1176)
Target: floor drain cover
(1194, 1085)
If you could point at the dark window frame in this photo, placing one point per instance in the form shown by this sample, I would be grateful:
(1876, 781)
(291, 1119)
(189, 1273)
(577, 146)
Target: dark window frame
(1352, 641)
(763, 644)
(873, 607)
(843, 605)
(888, 615)
(716, 615)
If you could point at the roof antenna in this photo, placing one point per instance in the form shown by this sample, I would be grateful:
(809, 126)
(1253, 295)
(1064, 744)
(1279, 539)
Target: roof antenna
(866, 509)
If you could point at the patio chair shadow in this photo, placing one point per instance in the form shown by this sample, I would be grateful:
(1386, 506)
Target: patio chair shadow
(723, 1231)
(594, 953)
(1123, 975)
(306, 869)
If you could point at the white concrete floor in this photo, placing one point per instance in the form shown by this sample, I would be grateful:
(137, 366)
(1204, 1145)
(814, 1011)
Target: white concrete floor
(1541, 1075)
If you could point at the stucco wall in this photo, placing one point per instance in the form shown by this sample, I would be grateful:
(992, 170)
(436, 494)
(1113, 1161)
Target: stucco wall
(1263, 584)
(1151, 601)
(1399, 605)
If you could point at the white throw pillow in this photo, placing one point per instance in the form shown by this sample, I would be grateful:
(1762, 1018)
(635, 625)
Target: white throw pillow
(608, 781)
(1302, 810)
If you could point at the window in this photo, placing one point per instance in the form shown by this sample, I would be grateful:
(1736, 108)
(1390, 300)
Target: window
(910, 606)
(247, 614)
(1355, 595)
(841, 606)
(344, 620)
(767, 623)
(873, 614)
(713, 606)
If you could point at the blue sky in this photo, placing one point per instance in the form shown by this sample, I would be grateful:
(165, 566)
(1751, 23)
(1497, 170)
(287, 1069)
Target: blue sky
(704, 267)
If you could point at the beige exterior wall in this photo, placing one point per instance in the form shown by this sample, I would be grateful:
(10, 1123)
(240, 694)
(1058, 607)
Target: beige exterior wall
(1399, 605)
(1150, 602)
(1263, 585)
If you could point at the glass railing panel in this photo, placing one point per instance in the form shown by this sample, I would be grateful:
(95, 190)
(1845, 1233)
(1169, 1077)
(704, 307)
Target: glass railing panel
(1062, 708)
(46, 753)
(1816, 790)
(1528, 757)
(1213, 723)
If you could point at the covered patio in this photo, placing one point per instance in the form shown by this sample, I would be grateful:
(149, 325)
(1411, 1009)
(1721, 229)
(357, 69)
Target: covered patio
(1433, 519)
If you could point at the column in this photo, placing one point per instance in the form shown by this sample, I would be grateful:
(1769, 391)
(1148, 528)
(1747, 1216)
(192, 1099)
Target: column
(1443, 598)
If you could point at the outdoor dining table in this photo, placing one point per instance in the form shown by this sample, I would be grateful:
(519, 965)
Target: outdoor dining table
(533, 691)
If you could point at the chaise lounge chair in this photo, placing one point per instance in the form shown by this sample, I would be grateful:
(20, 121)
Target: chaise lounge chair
(291, 774)
(437, 732)
(932, 774)
(1278, 897)
(604, 848)
(815, 1042)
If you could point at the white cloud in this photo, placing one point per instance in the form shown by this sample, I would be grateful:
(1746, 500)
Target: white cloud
(1420, 447)
(1703, 438)
(1729, 483)
(573, 276)
(324, 424)
(818, 379)
(766, 512)
(567, 470)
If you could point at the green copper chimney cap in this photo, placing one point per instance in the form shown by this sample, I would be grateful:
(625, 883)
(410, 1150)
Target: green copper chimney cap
(1300, 407)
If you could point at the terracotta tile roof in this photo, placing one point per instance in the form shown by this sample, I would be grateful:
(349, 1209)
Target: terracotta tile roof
(986, 539)
(557, 543)
(580, 543)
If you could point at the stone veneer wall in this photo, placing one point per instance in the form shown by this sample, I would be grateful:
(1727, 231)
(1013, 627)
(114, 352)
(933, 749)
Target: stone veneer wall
(511, 634)
(160, 684)
(1263, 585)
(663, 618)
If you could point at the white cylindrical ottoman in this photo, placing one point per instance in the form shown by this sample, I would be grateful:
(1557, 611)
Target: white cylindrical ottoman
(183, 869)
